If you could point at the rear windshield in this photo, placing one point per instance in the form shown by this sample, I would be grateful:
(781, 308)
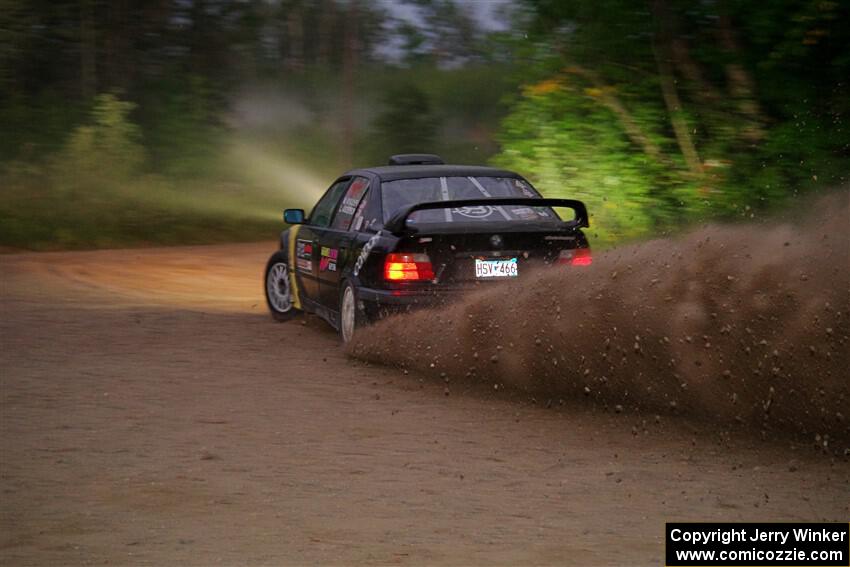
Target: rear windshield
(403, 192)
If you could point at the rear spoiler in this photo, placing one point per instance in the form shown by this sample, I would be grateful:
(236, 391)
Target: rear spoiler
(397, 223)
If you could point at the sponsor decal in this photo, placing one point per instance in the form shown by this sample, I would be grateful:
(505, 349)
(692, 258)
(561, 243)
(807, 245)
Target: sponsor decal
(304, 249)
(352, 198)
(348, 205)
(364, 253)
(304, 255)
(328, 260)
(478, 212)
(358, 187)
(350, 202)
(524, 213)
(359, 221)
(488, 195)
(522, 186)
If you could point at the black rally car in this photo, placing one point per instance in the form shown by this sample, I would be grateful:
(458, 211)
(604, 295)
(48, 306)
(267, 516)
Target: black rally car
(415, 232)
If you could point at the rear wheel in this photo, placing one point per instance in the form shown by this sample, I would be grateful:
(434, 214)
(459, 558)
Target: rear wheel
(350, 316)
(279, 288)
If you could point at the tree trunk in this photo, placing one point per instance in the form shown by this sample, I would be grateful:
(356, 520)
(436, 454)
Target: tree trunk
(704, 90)
(669, 90)
(325, 34)
(88, 50)
(741, 84)
(633, 131)
(674, 111)
(117, 68)
(295, 39)
(349, 62)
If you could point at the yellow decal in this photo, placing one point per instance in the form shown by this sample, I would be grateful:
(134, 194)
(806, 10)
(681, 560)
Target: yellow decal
(293, 285)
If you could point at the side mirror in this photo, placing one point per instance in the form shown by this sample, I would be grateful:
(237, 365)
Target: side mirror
(293, 216)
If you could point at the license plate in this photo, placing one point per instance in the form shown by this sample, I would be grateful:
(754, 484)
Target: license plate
(502, 268)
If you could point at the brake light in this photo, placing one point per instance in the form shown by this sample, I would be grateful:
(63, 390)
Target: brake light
(576, 257)
(408, 267)
(582, 257)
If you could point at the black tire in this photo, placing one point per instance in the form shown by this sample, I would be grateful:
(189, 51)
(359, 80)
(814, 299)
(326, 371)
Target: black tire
(351, 316)
(278, 289)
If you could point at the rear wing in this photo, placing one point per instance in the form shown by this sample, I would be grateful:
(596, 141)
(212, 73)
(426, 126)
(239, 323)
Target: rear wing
(397, 223)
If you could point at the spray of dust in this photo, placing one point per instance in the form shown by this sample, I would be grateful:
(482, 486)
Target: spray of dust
(742, 327)
(274, 175)
(267, 124)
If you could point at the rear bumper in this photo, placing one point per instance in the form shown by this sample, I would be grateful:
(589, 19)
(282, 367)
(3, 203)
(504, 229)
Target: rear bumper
(410, 298)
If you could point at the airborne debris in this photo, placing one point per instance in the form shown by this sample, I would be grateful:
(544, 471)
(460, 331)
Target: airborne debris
(727, 343)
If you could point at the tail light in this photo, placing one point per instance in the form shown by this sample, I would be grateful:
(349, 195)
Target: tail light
(576, 257)
(408, 267)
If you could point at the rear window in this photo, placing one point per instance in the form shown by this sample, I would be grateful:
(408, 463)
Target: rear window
(404, 192)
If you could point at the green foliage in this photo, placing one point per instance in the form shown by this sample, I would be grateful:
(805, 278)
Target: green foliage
(683, 111)
(452, 112)
(103, 152)
(449, 34)
(37, 125)
(95, 191)
(182, 126)
(656, 114)
(406, 124)
(571, 146)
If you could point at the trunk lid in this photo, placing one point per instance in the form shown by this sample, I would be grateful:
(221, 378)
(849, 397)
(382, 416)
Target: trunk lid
(467, 257)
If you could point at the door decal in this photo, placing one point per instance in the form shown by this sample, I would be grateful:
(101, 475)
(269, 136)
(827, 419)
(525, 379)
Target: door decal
(329, 258)
(364, 253)
(304, 256)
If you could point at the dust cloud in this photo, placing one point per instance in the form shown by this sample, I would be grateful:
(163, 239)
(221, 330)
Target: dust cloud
(742, 327)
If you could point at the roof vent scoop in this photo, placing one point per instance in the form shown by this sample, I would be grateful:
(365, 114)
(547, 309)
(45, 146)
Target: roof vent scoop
(416, 159)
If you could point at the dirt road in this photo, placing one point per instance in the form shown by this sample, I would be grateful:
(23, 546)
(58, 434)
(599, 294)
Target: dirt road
(152, 414)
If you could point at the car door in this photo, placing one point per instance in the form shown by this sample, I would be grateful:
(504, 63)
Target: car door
(335, 241)
(307, 248)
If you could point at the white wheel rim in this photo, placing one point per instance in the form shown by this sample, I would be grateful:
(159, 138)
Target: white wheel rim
(348, 314)
(277, 288)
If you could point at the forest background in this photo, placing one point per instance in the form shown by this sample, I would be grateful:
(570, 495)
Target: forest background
(128, 123)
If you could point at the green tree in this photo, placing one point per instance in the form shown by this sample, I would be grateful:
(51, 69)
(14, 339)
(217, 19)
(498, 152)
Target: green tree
(103, 152)
(406, 123)
(571, 145)
(708, 109)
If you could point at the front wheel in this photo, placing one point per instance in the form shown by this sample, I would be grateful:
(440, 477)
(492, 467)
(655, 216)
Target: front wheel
(279, 288)
(350, 316)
